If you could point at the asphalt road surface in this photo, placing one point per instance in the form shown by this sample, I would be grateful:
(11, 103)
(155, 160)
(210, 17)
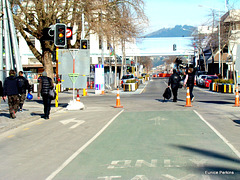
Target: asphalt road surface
(148, 139)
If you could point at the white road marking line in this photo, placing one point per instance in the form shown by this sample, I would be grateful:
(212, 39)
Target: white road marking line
(219, 135)
(81, 149)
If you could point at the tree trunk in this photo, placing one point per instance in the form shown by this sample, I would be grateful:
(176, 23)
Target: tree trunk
(47, 63)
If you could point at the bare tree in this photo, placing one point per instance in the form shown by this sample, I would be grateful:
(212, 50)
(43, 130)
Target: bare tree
(146, 62)
(32, 16)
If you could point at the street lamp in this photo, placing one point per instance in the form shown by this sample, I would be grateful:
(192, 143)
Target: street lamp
(219, 35)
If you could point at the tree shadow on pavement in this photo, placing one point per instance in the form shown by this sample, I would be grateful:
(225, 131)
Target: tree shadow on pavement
(235, 172)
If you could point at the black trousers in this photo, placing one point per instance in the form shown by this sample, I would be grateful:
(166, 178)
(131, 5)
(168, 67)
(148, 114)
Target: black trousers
(46, 104)
(191, 90)
(175, 92)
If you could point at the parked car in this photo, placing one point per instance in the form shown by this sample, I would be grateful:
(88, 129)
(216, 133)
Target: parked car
(200, 80)
(200, 74)
(127, 77)
(208, 80)
(154, 75)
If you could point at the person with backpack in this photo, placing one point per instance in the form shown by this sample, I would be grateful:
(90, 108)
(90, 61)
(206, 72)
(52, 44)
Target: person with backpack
(10, 89)
(23, 86)
(174, 81)
(45, 84)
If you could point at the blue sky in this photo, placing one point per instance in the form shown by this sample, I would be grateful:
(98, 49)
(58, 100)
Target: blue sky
(168, 13)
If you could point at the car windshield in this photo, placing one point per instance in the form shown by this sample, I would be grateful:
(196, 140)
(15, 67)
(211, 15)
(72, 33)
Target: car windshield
(212, 77)
(203, 77)
(128, 76)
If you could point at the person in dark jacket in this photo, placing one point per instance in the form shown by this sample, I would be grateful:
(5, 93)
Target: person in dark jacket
(174, 81)
(45, 84)
(190, 80)
(23, 86)
(10, 89)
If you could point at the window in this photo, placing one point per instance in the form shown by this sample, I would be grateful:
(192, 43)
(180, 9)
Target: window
(32, 39)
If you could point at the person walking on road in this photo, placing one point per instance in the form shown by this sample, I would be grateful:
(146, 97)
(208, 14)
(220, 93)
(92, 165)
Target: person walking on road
(10, 89)
(45, 84)
(190, 80)
(174, 81)
(23, 86)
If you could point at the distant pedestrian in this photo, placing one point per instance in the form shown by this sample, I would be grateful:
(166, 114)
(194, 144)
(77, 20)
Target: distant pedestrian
(189, 81)
(45, 84)
(174, 81)
(10, 89)
(23, 86)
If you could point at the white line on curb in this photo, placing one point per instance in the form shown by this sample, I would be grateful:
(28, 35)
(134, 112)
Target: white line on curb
(219, 135)
(81, 149)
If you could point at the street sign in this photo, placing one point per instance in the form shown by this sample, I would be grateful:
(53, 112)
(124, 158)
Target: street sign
(69, 33)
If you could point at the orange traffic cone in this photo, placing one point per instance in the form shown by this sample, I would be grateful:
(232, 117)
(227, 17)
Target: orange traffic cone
(236, 98)
(103, 92)
(118, 104)
(91, 85)
(188, 100)
(78, 97)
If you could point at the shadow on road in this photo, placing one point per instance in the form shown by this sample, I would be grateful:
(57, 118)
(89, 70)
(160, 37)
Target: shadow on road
(223, 172)
(216, 102)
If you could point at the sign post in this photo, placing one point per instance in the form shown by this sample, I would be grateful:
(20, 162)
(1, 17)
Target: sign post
(73, 77)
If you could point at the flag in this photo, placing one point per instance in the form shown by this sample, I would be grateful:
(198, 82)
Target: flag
(111, 50)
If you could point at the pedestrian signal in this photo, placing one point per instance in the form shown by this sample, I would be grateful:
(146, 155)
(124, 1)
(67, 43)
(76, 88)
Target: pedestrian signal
(174, 47)
(60, 35)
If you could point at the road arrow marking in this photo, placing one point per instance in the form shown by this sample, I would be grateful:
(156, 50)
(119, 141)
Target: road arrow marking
(73, 120)
(157, 120)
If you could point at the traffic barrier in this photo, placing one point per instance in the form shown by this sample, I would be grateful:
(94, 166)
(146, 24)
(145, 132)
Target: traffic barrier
(118, 104)
(236, 98)
(78, 97)
(188, 100)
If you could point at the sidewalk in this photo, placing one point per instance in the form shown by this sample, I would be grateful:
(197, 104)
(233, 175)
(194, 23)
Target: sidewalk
(33, 109)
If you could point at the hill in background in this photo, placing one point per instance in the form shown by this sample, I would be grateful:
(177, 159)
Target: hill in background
(177, 31)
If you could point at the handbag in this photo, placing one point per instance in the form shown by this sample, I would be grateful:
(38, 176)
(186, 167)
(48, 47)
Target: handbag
(52, 94)
(167, 93)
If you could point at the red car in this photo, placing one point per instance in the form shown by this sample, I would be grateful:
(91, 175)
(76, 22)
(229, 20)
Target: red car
(208, 80)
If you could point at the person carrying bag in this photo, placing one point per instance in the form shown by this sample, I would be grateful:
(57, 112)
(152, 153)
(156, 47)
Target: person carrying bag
(45, 85)
(174, 82)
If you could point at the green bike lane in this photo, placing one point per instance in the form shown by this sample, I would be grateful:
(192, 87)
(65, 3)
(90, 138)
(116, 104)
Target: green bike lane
(153, 145)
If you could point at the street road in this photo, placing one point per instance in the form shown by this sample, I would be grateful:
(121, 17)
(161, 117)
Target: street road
(148, 139)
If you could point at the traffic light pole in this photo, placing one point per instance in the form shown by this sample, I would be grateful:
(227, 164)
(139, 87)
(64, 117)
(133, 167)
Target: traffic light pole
(57, 78)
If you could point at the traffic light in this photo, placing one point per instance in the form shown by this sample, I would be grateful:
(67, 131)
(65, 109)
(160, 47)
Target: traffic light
(60, 35)
(84, 44)
(174, 47)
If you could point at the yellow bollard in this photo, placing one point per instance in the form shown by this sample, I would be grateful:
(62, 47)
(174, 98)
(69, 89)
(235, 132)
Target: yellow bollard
(84, 92)
(56, 100)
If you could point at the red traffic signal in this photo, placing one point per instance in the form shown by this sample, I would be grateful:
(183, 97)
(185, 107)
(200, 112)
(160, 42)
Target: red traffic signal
(60, 35)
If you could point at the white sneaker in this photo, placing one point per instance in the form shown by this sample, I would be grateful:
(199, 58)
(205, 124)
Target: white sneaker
(193, 98)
